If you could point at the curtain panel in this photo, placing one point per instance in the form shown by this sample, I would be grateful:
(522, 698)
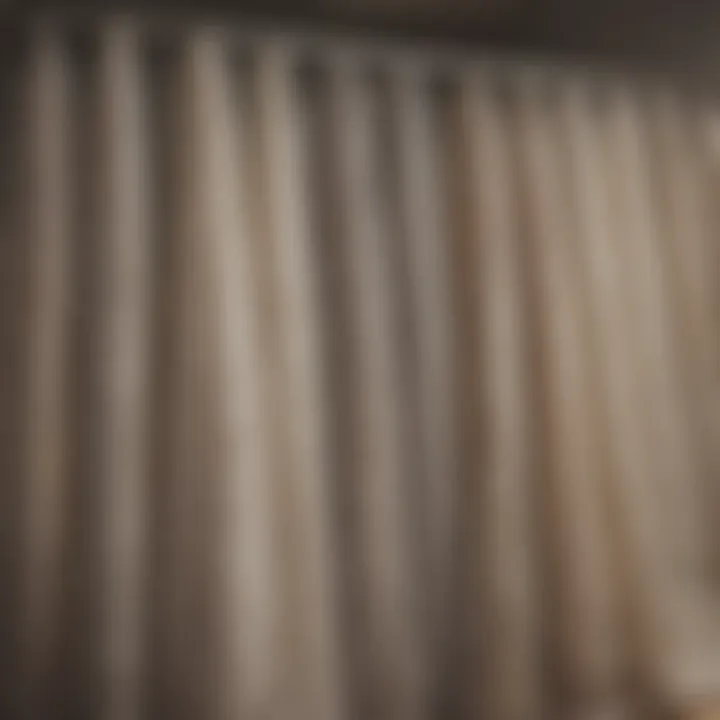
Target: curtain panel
(351, 380)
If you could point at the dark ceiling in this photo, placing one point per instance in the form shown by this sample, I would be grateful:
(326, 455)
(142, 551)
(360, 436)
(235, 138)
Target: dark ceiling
(684, 31)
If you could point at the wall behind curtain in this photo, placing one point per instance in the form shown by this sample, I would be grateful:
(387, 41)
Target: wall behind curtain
(345, 380)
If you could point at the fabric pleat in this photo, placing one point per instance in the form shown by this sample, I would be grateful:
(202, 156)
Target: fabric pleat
(344, 381)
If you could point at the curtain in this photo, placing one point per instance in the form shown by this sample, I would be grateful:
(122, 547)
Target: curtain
(346, 380)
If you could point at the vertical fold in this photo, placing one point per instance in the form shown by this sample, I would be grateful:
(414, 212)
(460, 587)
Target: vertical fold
(304, 481)
(424, 230)
(14, 326)
(392, 656)
(123, 346)
(641, 537)
(250, 660)
(706, 151)
(686, 245)
(636, 523)
(186, 577)
(504, 593)
(683, 204)
(582, 581)
(46, 437)
(693, 661)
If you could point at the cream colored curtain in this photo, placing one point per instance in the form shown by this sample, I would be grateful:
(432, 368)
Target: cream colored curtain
(353, 382)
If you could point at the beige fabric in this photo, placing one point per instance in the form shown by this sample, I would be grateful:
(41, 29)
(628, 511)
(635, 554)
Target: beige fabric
(344, 383)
